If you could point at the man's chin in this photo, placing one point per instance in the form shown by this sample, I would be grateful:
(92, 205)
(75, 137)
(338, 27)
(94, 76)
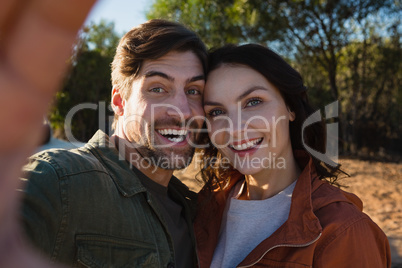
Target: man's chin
(180, 167)
(170, 160)
(174, 168)
(177, 162)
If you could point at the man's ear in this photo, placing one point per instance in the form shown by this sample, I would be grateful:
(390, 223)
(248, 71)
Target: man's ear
(118, 102)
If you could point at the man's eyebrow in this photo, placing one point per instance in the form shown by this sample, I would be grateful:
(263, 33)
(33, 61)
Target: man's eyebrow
(171, 79)
(196, 78)
(160, 74)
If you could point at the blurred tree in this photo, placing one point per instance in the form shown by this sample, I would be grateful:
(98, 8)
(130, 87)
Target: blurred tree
(87, 87)
(371, 77)
(317, 28)
(369, 80)
(217, 22)
(318, 36)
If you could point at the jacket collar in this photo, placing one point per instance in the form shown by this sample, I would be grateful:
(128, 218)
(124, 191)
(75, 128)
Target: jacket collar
(122, 174)
(301, 228)
(119, 170)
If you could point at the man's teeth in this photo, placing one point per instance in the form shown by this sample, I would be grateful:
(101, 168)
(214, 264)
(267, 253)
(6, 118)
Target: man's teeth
(172, 132)
(174, 135)
(246, 145)
(179, 139)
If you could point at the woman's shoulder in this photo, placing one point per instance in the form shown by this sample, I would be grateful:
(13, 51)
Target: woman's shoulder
(340, 211)
(345, 227)
(331, 202)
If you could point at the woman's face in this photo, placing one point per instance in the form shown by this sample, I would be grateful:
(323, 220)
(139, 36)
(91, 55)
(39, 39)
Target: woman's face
(247, 119)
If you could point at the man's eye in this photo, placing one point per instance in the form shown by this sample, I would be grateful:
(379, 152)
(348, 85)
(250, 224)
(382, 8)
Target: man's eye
(193, 92)
(157, 90)
(215, 112)
(253, 102)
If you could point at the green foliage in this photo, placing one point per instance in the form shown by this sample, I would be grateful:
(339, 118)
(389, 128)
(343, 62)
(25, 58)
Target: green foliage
(371, 78)
(346, 50)
(100, 38)
(315, 80)
(87, 82)
(217, 22)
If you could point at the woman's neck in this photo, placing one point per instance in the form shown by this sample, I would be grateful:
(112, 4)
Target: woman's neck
(270, 182)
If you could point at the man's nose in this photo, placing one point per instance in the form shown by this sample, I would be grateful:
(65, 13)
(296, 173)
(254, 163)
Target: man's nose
(180, 107)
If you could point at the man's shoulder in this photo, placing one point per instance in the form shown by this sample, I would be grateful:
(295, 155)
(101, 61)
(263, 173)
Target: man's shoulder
(64, 162)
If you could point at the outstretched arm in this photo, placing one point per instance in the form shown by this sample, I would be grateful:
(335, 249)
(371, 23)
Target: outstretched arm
(36, 38)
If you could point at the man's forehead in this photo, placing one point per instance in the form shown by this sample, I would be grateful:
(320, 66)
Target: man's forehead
(174, 62)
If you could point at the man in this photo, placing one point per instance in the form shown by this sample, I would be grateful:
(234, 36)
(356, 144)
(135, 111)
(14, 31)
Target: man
(115, 202)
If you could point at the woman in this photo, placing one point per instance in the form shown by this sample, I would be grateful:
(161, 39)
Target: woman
(267, 202)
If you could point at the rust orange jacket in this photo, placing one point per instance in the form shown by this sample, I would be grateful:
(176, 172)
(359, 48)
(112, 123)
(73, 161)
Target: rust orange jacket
(326, 228)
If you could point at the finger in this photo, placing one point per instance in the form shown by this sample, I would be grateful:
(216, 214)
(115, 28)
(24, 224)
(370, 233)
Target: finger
(34, 45)
(32, 63)
(42, 36)
(8, 11)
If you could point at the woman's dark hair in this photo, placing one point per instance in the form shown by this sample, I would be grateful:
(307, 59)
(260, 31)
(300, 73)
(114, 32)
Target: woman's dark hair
(290, 85)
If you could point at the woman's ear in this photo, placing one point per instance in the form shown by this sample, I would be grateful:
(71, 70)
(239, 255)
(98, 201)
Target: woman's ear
(117, 102)
(292, 115)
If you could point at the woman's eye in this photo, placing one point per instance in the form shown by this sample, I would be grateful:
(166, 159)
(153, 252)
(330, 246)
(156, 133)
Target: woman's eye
(253, 102)
(157, 90)
(215, 112)
(193, 92)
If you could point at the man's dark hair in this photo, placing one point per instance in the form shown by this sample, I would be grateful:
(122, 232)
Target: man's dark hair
(149, 41)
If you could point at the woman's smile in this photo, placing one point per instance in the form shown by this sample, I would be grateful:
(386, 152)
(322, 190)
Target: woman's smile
(248, 119)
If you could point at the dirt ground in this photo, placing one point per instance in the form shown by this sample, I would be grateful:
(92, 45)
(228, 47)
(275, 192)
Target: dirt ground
(379, 186)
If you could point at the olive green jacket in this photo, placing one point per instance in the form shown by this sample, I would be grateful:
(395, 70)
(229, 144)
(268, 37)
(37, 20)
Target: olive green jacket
(86, 208)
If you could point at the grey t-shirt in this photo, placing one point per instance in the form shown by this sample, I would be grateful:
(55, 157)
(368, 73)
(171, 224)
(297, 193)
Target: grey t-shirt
(246, 223)
(176, 224)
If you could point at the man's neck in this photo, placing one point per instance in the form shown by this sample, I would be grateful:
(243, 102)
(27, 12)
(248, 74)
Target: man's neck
(157, 174)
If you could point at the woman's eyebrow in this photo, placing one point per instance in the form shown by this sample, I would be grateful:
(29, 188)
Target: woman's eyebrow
(212, 103)
(243, 95)
(249, 91)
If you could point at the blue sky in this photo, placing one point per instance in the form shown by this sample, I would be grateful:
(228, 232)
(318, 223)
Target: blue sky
(124, 13)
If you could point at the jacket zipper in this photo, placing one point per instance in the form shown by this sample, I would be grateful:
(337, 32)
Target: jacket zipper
(282, 245)
(83, 264)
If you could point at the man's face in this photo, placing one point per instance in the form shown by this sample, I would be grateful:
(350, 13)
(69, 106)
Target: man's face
(164, 112)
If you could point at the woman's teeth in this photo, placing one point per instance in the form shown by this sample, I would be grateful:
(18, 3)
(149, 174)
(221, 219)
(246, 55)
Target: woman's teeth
(246, 145)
